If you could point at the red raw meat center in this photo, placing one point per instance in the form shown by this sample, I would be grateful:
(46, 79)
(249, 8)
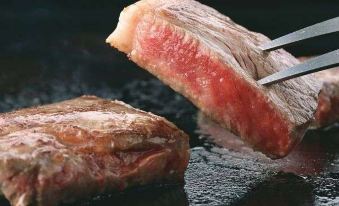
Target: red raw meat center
(213, 85)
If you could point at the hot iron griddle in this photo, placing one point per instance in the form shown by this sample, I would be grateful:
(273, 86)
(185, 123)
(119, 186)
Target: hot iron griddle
(55, 51)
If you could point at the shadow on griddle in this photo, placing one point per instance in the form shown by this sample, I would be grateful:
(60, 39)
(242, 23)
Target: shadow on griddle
(307, 176)
(146, 196)
(4, 202)
(280, 190)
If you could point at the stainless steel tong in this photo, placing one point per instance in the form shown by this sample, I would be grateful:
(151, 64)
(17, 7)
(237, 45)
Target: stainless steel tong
(326, 61)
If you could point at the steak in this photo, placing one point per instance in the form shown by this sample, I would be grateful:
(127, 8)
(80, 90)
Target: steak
(86, 146)
(328, 103)
(216, 63)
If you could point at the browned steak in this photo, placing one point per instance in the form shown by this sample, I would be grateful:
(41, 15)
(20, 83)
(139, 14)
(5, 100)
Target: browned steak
(215, 63)
(328, 103)
(74, 149)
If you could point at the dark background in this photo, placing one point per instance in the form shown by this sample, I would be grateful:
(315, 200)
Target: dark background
(55, 50)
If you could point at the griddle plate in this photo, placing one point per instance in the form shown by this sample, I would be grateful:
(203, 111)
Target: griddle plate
(234, 175)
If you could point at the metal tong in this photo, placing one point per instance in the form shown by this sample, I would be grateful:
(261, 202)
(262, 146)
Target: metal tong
(326, 61)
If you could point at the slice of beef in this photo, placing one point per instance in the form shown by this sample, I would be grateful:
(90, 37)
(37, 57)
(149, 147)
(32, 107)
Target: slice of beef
(74, 149)
(328, 103)
(215, 63)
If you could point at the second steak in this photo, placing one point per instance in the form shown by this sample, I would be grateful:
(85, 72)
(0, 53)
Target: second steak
(78, 148)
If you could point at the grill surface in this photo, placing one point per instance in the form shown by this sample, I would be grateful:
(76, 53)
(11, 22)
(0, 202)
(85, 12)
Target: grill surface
(54, 52)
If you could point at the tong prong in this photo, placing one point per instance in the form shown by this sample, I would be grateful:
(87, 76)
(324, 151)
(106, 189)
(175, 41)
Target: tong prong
(316, 64)
(326, 27)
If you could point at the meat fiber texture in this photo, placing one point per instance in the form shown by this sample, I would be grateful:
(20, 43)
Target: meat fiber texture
(216, 63)
(71, 150)
(328, 103)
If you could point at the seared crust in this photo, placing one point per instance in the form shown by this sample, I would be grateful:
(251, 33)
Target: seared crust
(70, 150)
(328, 101)
(328, 104)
